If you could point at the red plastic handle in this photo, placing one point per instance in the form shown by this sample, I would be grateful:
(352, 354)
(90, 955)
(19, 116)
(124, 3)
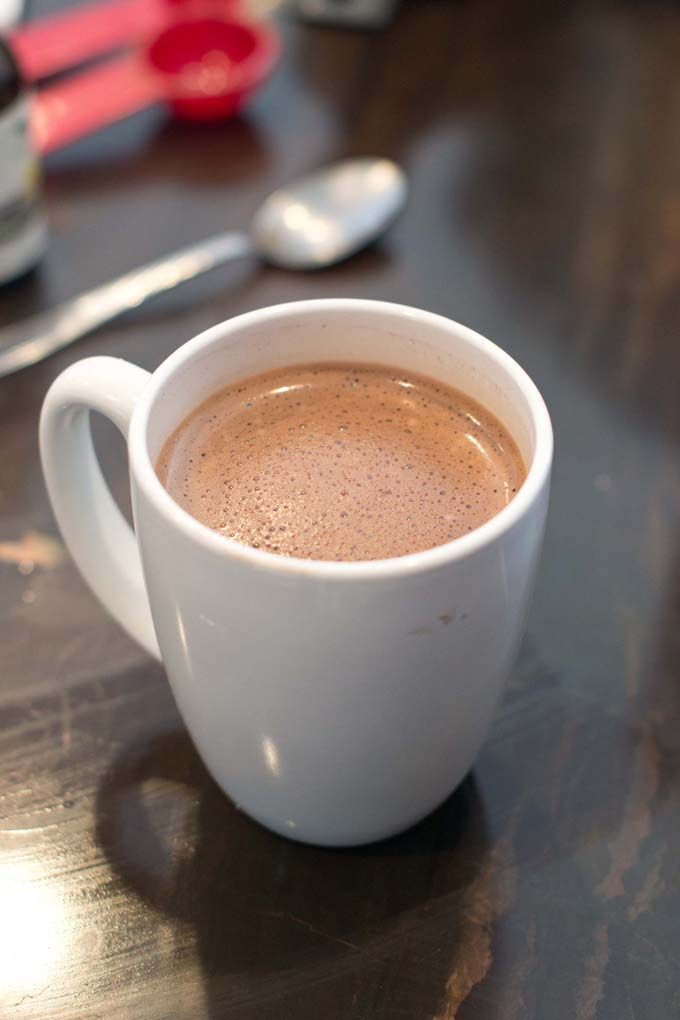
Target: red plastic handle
(54, 43)
(70, 109)
(59, 41)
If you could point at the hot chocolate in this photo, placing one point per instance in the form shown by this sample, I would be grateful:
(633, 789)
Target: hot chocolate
(341, 462)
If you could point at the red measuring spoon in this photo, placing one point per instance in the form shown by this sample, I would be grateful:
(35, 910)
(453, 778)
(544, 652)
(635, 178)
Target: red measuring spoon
(203, 68)
(59, 41)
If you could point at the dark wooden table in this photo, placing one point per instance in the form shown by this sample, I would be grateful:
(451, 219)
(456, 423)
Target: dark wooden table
(543, 144)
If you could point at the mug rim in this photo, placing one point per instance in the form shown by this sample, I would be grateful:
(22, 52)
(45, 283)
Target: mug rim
(144, 473)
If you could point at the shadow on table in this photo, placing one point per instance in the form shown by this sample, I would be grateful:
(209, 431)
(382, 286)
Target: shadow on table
(277, 923)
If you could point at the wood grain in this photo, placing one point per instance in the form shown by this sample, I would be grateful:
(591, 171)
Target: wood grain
(542, 145)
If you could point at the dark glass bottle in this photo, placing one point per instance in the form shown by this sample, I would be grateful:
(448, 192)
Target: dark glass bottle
(23, 234)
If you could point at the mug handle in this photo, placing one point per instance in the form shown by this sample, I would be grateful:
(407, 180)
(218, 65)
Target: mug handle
(98, 537)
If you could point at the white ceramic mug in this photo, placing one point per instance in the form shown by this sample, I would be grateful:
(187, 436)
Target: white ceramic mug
(336, 703)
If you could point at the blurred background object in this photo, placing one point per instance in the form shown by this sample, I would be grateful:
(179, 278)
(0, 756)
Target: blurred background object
(203, 69)
(347, 13)
(46, 45)
(10, 13)
(22, 227)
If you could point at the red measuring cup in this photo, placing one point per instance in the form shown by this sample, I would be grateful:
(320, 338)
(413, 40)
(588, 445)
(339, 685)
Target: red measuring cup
(202, 68)
(62, 40)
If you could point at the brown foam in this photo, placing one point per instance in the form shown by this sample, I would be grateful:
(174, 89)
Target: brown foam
(341, 462)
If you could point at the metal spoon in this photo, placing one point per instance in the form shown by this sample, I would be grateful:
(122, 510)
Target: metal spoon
(310, 224)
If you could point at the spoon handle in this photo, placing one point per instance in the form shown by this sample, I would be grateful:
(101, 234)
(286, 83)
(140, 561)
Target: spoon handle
(33, 339)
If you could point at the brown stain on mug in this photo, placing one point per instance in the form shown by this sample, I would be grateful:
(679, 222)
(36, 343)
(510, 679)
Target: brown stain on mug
(444, 619)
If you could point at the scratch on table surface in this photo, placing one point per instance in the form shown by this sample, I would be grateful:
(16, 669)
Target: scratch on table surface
(65, 720)
(71, 648)
(636, 824)
(30, 995)
(315, 931)
(489, 897)
(591, 988)
(652, 887)
(440, 913)
(33, 548)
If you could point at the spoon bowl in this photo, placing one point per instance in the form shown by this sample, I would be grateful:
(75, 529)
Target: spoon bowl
(329, 215)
